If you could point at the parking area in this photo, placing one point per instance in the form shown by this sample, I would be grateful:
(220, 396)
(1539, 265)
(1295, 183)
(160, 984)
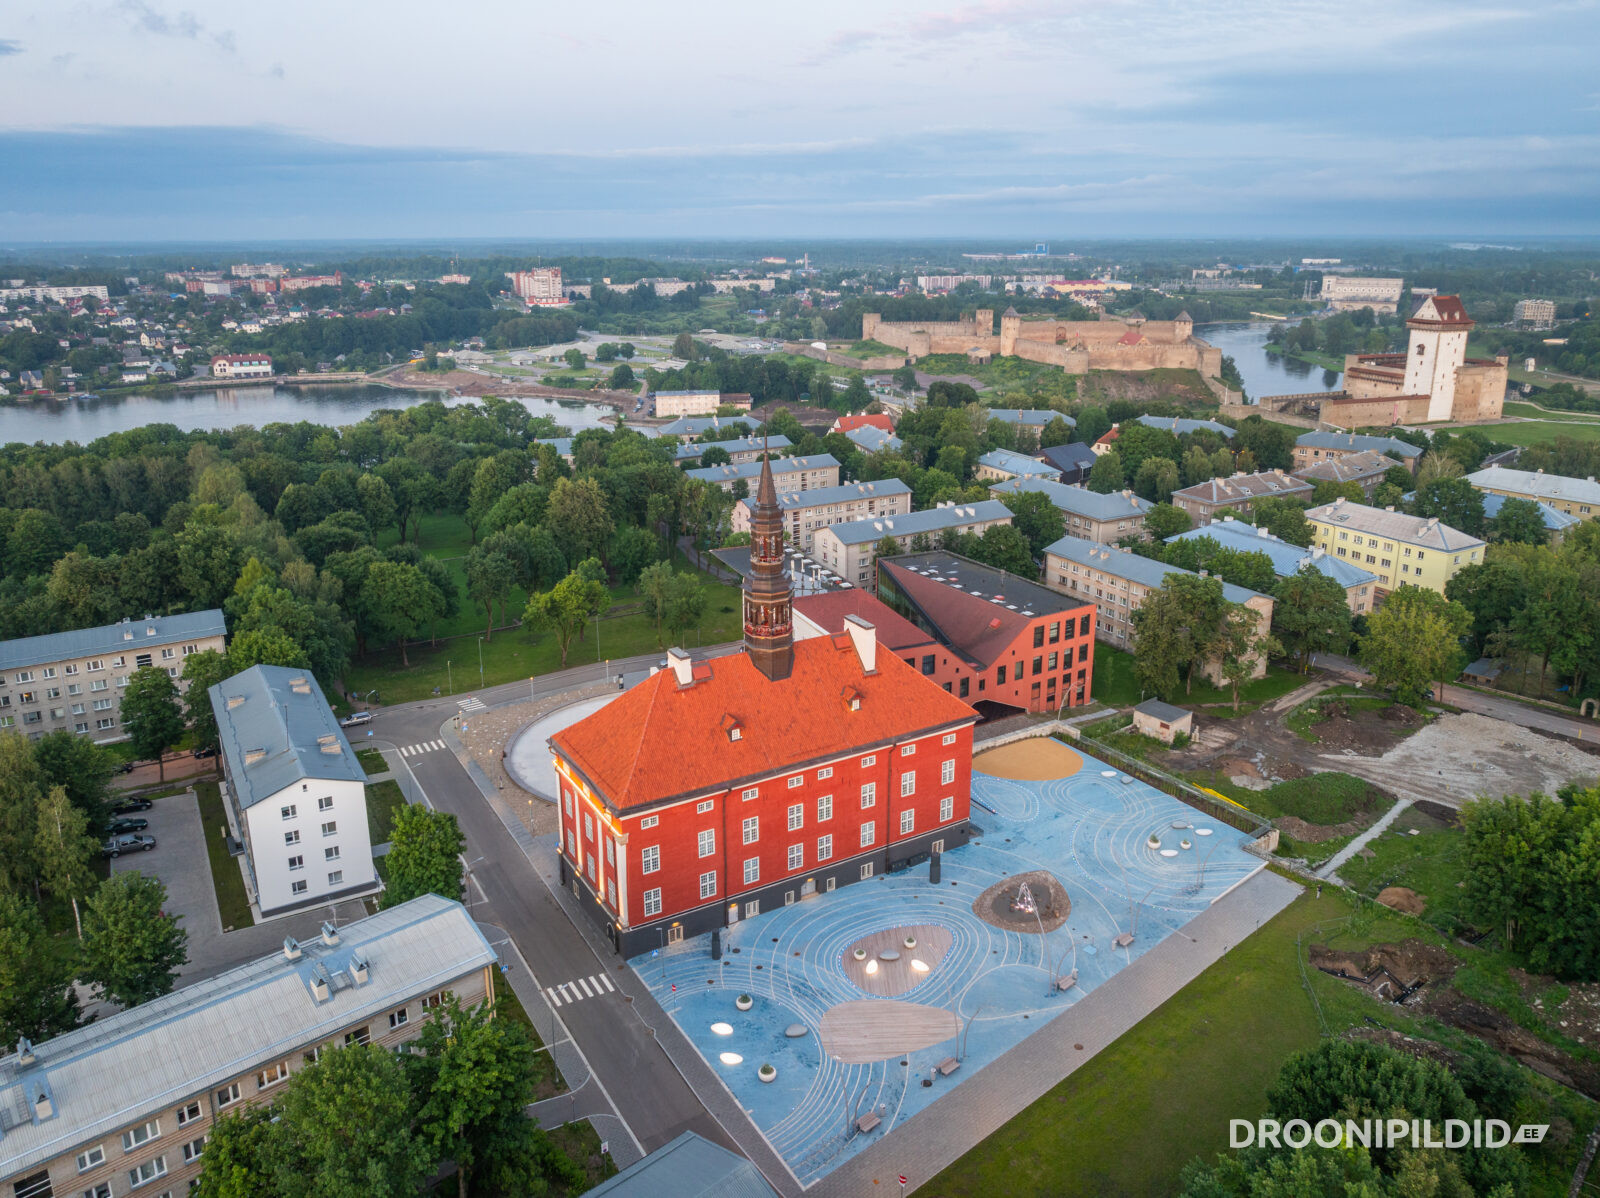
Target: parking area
(179, 860)
(1131, 861)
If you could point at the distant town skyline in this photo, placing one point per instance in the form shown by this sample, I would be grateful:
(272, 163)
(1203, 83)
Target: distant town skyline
(139, 120)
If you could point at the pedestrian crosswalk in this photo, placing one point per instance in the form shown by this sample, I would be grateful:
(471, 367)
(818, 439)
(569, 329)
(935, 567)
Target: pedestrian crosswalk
(427, 746)
(471, 703)
(592, 986)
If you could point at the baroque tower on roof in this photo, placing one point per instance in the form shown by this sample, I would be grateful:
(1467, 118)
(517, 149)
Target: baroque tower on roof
(768, 617)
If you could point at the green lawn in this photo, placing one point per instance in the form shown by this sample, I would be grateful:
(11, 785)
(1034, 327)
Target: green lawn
(1277, 682)
(1330, 798)
(1114, 683)
(372, 761)
(383, 800)
(233, 901)
(1541, 432)
(1430, 863)
(1303, 720)
(1532, 411)
(1127, 1121)
(517, 653)
(507, 1005)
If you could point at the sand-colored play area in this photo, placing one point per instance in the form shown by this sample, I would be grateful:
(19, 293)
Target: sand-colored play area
(1037, 759)
(874, 1029)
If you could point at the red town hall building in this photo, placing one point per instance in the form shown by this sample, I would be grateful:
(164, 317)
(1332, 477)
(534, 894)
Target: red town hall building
(715, 790)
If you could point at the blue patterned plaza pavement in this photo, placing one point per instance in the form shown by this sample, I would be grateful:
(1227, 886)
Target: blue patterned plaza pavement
(1091, 831)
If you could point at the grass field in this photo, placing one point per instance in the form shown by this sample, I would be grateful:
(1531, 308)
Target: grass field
(1127, 1122)
(1329, 798)
(1114, 683)
(1541, 432)
(1277, 682)
(233, 901)
(1430, 863)
(372, 761)
(383, 800)
(1532, 411)
(1303, 720)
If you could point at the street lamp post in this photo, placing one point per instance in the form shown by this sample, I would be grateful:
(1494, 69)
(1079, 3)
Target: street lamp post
(466, 868)
(480, 663)
(961, 1046)
(449, 677)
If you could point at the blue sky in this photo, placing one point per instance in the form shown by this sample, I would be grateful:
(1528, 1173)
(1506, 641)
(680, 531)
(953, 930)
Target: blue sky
(140, 119)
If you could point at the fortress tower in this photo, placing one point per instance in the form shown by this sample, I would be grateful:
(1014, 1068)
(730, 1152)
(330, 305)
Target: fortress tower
(1436, 350)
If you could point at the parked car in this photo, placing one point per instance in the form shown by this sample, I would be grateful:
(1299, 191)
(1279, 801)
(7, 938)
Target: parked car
(126, 767)
(119, 826)
(128, 842)
(355, 718)
(125, 806)
(205, 752)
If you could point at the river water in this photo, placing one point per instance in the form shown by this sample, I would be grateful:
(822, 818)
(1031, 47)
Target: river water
(83, 420)
(1263, 373)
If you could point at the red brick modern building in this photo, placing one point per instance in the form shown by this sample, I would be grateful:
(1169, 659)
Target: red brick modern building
(1001, 639)
(714, 790)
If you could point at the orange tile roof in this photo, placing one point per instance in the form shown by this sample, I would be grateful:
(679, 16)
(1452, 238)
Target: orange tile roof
(660, 741)
(846, 424)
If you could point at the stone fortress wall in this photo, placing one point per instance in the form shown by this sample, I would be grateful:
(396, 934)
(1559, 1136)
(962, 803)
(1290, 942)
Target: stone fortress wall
(1076, 346)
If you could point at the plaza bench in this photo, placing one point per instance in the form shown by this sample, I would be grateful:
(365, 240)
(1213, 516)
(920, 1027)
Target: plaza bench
(867, 1122)
(948, 1066)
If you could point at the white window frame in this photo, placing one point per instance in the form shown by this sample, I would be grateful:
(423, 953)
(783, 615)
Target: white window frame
(274, 1074)
(908, 784)
(652, 901)
(188, 1114)
(752, 870)
(705, 806)
(226, 1096)
(138, 1175)
(869, 834)
(947, 809)
(908, 821)
(399, 1018)
(824, 808)
(708, 884)
(869, 760)
(825, 847)
(947, 772)
(751, 829)
(91, 1158)
(797, 816)
(650, 859)
(869, 795)
(649, 821)
(136, 1137)
(949, 738)
(796, 780)
(750, 792)
(706, 842)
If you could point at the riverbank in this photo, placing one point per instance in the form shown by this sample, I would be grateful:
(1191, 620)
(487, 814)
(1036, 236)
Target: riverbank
(1310, 357)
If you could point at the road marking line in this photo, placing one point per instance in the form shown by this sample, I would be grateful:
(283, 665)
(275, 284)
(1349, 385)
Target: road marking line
(607, 981)
(563, 988)
(555, 999)
(405, 751)
(438, 744)
(587, 993)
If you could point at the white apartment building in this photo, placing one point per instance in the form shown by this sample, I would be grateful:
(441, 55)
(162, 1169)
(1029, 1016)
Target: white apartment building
(125, 1105)
(685, 403)
(295, 792)
(75, 679)
(788, 474)
(804, 512)
(241, 366)
(849, 550)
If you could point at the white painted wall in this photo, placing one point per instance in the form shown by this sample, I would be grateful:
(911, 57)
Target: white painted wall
(270, 854)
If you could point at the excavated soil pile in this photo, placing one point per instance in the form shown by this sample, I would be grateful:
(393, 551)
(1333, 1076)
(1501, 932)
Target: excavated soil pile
(1402, 899)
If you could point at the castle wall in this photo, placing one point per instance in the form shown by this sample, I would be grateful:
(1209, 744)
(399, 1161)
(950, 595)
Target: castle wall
(1480, 391)
(1374, 412)
(1075, 346)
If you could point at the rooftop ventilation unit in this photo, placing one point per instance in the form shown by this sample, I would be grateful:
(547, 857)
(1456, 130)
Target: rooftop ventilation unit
(25, 1051)
(291, 949)
(251, 756)
(358, 968)
(321, 986)
(330, 934)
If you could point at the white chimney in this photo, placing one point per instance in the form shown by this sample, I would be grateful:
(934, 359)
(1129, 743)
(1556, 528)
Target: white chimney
(330, 934)
(291, 949)
(358, 969)
(43, 1108)
(681, 665)
(864, 636)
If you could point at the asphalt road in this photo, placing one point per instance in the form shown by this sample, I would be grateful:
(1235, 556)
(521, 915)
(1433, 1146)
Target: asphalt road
(644, 1087)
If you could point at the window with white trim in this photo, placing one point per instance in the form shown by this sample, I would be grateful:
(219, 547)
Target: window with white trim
(228, 1095)
(99, 1190)
(650, 859)
(652, 901)
(188, 1114)
(908, 784)
(949, 738)
(144, 1174)
(907, 750)
(824, 847)
(869, 794)
(751, 828)
(708, 884)
(298, 887)
(292, 837)
(325, 803)
(947, 809)
(752, 870)
(908, 821)
(825, 772)
(398, 1019)
(870, 759)
(947, 772)
(869, 834)
(797, 780)
(824, 808)
(797, 856)
(288, 812)
(331, 828)
(708, 842)
(336, 877)
(750, 792)
(272, 1075)
(588, 826)
(142, 1134)
(297, 862)
(361, 1035)
(194, 1150)
(649, 821)
(703, 807)
(91, 1157)
(797, 816)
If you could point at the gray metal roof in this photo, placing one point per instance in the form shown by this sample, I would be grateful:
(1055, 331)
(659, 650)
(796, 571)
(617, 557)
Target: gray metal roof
(882, 488)
(276, 729)
(872, 439)
(1164, 712)
(1548, 488)
(1554, 521)
(751, 470)
(563, 445)
(110, 638)
(1080, 501)
(1354, 441)
(693, 426)
(1287, 559)
(689, 1167)
(738, 445)
(1178, 425)
(1018, 465)
(1033, 417)
(1145, 571)
(1425, 531)
(120, 1069)
(929, 520)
